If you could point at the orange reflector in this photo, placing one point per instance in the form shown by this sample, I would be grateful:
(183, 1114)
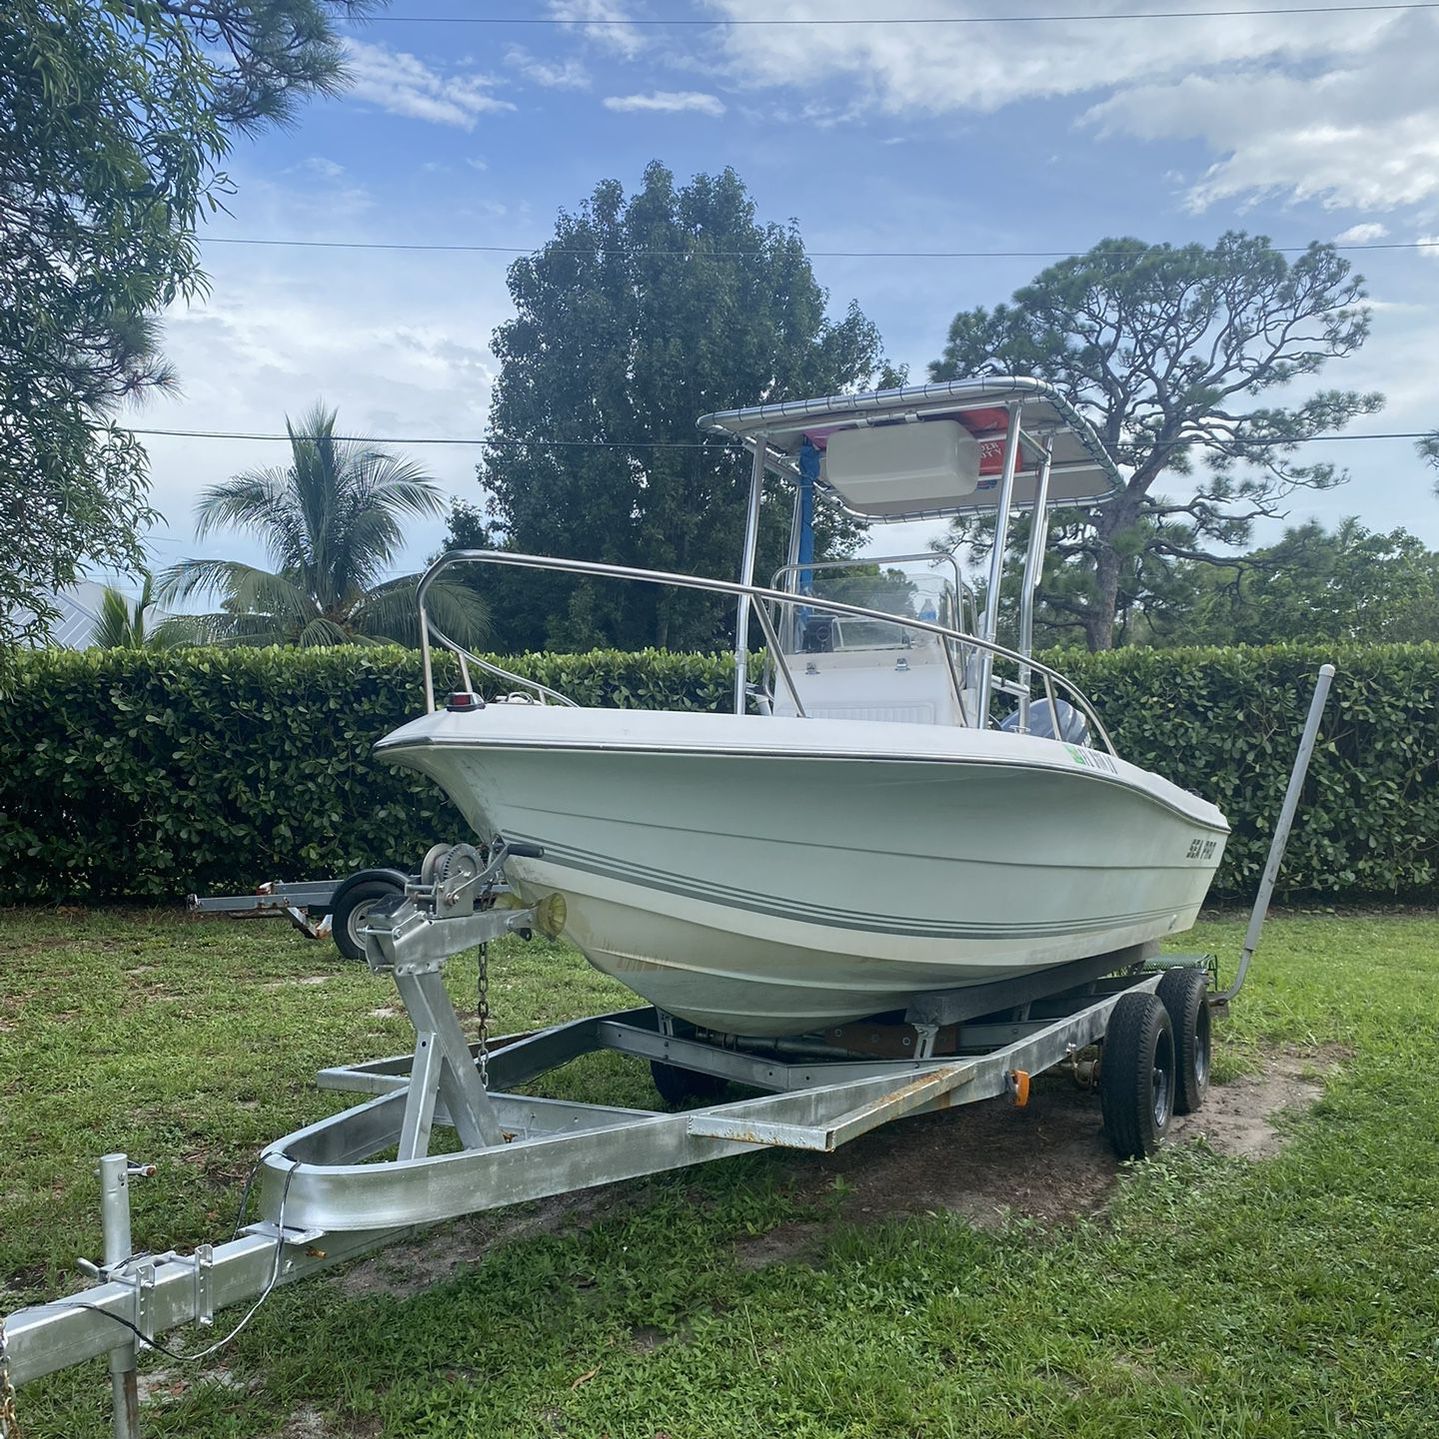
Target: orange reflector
(1019, 1087)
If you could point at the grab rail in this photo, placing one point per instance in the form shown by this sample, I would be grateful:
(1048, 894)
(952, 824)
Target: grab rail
(762, 593)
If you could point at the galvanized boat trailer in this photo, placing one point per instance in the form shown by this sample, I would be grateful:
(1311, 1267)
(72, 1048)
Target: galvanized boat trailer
(327, 1196)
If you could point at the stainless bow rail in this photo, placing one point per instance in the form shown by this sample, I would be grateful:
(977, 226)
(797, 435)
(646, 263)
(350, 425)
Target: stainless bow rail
(760, 598)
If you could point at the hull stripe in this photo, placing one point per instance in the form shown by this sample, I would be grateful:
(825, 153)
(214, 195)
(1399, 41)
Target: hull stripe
(867, 921)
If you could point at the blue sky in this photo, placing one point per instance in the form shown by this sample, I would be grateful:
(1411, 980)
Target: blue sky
(1042, 137)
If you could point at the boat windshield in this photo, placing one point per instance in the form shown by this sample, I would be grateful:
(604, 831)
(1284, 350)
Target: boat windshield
(861, 666)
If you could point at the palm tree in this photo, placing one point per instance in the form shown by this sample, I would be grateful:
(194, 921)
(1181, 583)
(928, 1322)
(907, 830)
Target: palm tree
(331, 521)
(121, 627)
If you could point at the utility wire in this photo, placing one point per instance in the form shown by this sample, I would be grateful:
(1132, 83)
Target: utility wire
(1072, 17)
(595, 250)
(448, 440)
(717, 443)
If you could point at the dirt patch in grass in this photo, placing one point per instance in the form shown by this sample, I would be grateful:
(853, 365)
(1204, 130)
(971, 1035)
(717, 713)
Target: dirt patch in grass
(311, 1424)
(785, 1244)
(1238, 1118)
(162, 1385)
(1051, 1160)
(987, 1162)
(983, 1161)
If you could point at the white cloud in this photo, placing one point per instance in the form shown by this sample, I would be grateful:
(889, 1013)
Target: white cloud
(1431, 244)
(668, 102)
(551, 75)
(319, 165)
(1368, 233)
(397, 348)
(603, 22)
(402, 84)
(1364, 134)
(1336, 108)
(939, 69)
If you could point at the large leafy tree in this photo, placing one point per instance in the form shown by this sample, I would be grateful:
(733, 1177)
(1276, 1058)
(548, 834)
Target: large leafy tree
(1169, 352)
(643, 313)
(1345, 584)
(1153, 589)
(114, 118)
(332, 521)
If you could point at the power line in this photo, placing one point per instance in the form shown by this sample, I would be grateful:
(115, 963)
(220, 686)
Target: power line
(485, 440)
(1072, 17)
(595, 250)
(489, 441)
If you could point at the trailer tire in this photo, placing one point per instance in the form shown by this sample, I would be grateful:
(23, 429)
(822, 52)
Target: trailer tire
(676, 1085)
(1185, 994)
(352, 901)
(1136, 1075)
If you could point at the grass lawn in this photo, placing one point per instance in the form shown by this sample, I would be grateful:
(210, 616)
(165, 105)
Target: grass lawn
(1294, 1296)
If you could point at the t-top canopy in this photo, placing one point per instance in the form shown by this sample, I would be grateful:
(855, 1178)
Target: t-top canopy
(1081, 471)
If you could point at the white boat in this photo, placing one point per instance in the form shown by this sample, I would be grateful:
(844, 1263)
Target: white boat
(868, 834)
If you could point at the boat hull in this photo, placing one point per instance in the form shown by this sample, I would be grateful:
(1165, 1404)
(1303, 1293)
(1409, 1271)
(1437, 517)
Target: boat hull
(756, 879)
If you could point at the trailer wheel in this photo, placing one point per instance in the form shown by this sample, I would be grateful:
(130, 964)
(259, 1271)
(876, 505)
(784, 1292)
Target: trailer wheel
(1185, 994)
(1136, 1075)
(352, 901)
(676, 1085)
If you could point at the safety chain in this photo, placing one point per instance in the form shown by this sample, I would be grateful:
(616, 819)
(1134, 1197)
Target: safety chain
(482, 981)
(9, 1420)
(482, 1013)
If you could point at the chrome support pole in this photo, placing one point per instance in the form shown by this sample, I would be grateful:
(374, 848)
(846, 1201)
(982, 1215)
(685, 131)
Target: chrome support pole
(115, 1226)
(989, 626)
(778, 663)
(426, 660)
(746, 577)
(791, 570)
(1280, 841)
(1033, 569)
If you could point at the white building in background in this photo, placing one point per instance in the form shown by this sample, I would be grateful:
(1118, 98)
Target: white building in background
(79, 606)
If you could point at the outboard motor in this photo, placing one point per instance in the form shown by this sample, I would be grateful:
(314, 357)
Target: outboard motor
(1062, 722)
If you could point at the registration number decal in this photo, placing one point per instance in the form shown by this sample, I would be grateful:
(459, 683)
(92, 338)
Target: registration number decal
(1091, 759)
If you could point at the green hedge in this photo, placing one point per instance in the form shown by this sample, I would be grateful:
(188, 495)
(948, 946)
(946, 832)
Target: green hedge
(1225, 723)
(150, 775)
(127, 773)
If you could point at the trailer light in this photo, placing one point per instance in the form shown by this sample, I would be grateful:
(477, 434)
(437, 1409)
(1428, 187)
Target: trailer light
(462, 700)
